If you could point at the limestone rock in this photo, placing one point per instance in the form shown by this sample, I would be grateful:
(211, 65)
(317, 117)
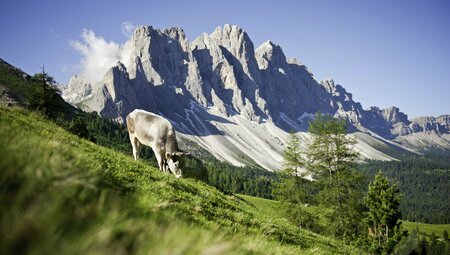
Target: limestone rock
(218, 89)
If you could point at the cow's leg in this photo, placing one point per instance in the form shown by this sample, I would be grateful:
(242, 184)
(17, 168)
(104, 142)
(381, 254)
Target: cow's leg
(166, 170)
(165, 167)
(136, 146)
(160, 160)
(139, 146)
(160, 153)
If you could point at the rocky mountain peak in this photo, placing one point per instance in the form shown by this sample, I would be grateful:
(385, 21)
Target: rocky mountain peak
(230, 32)
(233, 38)
(445, 119)
(337, 90)
(270, 55)
(440, 124)
(393, 115)
(237, 47)
(121, 67)
(177, 34)
(294, 61)
(329, 85)
(206, 85)
(143, 32)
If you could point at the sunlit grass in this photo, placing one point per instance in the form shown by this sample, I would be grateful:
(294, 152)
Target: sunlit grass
(64, 195)
(273, 208)
(426, 229)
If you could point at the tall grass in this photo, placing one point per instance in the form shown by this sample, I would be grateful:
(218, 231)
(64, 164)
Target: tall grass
(64, 195)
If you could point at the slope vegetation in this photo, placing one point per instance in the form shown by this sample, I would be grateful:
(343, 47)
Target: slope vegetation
(65, 195)
(426, 229)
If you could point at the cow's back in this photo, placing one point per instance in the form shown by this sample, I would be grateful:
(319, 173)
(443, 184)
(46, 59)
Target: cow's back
(148, 127)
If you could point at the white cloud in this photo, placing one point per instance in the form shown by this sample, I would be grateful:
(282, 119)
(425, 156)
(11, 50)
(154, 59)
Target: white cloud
(128, 28)
(97, 54)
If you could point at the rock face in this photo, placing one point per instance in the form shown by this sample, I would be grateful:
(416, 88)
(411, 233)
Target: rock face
(439, 125)
(219, 81)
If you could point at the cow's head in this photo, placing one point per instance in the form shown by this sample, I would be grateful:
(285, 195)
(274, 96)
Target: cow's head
(175, 162)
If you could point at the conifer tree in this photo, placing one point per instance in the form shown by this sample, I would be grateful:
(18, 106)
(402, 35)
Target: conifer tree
(45, 96)
(383, 216)
(293, 158)
(290, 189)
(332, 159)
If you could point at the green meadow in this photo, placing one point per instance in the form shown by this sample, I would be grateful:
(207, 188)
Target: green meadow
(64, 195)
(426, 229)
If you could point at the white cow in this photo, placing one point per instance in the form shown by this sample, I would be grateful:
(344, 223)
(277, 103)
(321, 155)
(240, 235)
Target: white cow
(146, 128)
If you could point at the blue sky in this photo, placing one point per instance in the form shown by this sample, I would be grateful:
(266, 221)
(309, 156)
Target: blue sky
(384, 52)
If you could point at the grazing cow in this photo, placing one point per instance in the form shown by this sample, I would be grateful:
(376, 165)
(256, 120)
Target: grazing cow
(146, 128)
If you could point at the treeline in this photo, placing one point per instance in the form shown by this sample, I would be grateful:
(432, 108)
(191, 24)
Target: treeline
(423, 180)
(425, 183)
(243, 180)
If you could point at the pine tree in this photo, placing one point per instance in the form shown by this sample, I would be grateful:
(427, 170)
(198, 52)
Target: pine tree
(423, 249)
(332, 159)
(293, 158)
(410, 244)
(290, 189)
(433, 244)
(383, 218)
(45, 96)
(78, 127)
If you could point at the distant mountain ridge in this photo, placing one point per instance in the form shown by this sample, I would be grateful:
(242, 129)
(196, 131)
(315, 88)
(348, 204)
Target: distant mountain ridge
(239, 102)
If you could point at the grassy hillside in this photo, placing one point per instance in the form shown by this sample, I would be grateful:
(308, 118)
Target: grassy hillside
(64, 195)
(15, 84)
(273, 208)
(427, 229)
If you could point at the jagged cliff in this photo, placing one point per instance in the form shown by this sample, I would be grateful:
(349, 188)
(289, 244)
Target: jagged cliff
(234, 100)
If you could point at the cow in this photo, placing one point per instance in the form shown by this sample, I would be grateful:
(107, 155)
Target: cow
(146, 128)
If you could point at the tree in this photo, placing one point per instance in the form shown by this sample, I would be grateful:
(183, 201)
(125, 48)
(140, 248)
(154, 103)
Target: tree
(383, 216)
(331, 151)
(78, 127)
(409, 245)
(291, 188)
(423, 247)
(332, 159)
(293, 158)
(46, 95)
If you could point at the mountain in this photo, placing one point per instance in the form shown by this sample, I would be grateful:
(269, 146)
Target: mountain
(238, 102)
